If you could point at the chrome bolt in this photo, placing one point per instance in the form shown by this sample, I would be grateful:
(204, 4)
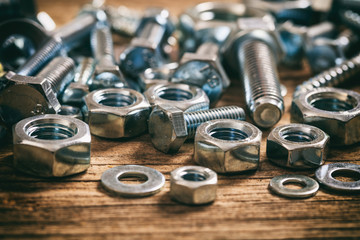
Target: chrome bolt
(169, 127)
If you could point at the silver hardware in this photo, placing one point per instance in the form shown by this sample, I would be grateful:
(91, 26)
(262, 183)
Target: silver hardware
(309, 186)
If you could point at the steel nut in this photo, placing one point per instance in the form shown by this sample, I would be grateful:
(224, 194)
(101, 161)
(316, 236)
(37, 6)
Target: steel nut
(228, 146)
(51, 145)
(117, 113)
(297, 146)
(335, 111)
(193, 185)
(182, 96)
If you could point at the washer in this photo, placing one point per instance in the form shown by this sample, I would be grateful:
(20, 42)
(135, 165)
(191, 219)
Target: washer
(324, 175)
(155, 181)
(310, 186)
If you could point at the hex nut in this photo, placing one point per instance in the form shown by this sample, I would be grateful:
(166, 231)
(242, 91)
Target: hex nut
(182, 96)
(227, 146)
(117, 113)
(193, 185)
(298, 146)
(335, 111)
(51, 145)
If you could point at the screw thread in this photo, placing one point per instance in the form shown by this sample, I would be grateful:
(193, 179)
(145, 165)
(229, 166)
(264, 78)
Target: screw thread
(102, 45)
(261, 81)
(84, 71)
(59, 72)
(49, 50)
(331, 77)
(194, 119)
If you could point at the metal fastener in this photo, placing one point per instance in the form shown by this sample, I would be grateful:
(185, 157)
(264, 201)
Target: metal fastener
(309, 186)
(169, 127)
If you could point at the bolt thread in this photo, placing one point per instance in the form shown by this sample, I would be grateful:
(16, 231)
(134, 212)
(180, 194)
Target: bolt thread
(48, 51)
(85, 70)
(259, 73)
(59, 72)
(331, 77)
(102, 45)
(194, 119)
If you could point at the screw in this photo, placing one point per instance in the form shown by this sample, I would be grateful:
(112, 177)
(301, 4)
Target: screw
(107, 73)
(331, 77)
(169, 127)
(25, 96)
(64, 38)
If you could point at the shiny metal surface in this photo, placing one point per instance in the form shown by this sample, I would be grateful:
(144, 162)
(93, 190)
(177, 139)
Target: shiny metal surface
(51, 145)
(227, 146)
(71, 111)
(110, 180)
(309, 186)
(193, 185)
(298, 146)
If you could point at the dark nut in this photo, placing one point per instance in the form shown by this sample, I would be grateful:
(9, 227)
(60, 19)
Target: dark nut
(297, 146)
(193, 185)
(51, 145)
(335, 111)
(228, 146)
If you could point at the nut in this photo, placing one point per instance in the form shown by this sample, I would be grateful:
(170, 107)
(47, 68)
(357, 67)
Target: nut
(228, 146)
(117, 113)
(51, 145)
(193, 185)
(297, 146)
(182, 96)
(335, 111)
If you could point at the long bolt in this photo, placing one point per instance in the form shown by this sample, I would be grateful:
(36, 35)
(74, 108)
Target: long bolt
(261, 82)
(331, 77)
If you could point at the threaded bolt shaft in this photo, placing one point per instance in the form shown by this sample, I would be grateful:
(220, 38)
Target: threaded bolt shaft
(194, 119)
(84, 71)
(59, 72)
(331, 77)
(261, 82)
(102, 44)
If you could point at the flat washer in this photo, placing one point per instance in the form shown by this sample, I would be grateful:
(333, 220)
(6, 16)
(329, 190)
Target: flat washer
(310, 186)
(324, 175)
(155, 181)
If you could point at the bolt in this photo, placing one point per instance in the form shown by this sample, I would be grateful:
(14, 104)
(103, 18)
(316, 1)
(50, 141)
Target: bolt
(123, 20)
(169, 127)
(107, 73)
(331, 77)
(26, 96)
(257, 47)
(76, 90)
(146, 50)
(203, 69)
(63, 39)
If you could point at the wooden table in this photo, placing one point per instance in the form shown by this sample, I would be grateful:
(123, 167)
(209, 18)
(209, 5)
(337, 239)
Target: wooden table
(78, 207)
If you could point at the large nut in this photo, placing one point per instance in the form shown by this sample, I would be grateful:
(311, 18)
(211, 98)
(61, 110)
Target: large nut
(117, 113)
(51, 145)
(335, 111)
(182, 96)
(228, 146)
(297, 146)
(193, 185)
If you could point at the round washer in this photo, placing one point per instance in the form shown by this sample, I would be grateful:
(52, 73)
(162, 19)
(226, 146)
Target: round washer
(324, 175)
(310, 186)
(155, 180)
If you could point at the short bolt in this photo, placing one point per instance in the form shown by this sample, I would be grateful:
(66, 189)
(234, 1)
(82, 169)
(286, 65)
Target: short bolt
(331, 77)
(64, 38)
(203, 69)
(169, 127)
(26, 96)
(107, 73)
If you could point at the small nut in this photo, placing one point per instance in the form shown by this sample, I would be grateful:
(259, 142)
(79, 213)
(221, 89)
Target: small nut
(117, 113)
(297, 146)
(335, 111)
(193, 185)
(51, 145)
(182, 96)
(228, 146)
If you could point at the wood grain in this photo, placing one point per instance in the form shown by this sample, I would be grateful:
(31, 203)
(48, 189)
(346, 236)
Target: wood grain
(78, 207)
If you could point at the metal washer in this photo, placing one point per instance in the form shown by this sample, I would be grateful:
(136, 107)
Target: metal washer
(310, 186)
(324, 175)
(155, 181)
